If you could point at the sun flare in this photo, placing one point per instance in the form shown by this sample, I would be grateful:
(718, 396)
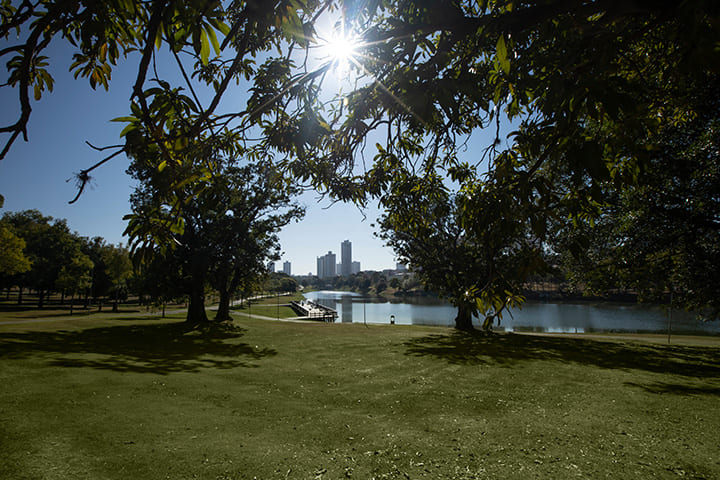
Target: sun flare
(341, 50)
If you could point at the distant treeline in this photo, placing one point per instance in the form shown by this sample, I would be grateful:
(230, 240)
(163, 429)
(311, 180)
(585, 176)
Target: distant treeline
(41, 257)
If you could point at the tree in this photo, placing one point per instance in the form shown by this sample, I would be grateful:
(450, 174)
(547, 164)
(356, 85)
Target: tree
(118, 267)
(475, 262)
(50, 247)
(254, 203)
(661, 235)
(229, 230)
(585, 86)
(159, 277)
(75, 276)
(101, 281)
(280, 282)
(213, 45)
(13, 260)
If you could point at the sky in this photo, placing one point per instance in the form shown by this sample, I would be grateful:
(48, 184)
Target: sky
(34, 174)
(39, 174)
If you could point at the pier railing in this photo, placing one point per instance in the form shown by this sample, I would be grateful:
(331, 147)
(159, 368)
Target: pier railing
(313, 310)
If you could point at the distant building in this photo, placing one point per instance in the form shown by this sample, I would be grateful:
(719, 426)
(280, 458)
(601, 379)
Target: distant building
(346, 258)
(287, 268)
(355, 267)
(271, 267)
(326, 266)
(401, 267)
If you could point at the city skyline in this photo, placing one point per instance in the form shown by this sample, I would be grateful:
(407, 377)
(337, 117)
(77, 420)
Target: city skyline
(327, 268)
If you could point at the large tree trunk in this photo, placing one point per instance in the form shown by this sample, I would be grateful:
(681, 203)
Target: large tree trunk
(196, 308)
(223, 311)
(41, 297)
(463, 321)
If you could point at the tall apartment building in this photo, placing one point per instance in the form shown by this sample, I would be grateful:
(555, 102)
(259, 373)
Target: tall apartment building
(326, 266)
(346, 258)
(287, 268)
(355, 267)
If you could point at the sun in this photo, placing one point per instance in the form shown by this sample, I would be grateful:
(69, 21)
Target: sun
(341, 50)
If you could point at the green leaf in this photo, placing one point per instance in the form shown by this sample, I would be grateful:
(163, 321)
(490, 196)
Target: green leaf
(204, 48)
(213, 39)
(223, 27)
(162, 165)
(158, 38)
(123, 119)
(181, 143)
(130, 127)
(502, 55)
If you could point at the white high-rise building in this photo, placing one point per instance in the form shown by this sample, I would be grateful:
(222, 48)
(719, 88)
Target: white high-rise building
(355, 267)
(287, 268)
(326, 267)
(346, 258)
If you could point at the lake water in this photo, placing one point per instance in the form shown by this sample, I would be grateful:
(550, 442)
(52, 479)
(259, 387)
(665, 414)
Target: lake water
(533, 317)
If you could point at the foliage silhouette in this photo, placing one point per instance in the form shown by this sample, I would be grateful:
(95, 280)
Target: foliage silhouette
(510, 349)
(159, 349)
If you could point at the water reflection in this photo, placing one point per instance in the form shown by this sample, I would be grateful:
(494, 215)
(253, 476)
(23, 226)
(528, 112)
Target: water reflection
(533, 317)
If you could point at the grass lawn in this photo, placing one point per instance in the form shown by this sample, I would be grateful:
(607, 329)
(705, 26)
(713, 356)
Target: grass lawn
(127, 398)
(271, 307)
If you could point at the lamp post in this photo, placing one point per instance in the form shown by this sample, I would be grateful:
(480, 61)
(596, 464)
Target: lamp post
(670, 316)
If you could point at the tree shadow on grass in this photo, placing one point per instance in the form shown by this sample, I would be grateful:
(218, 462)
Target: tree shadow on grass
(158, 348)
(509, 349)
(677, 388)
(54, 311)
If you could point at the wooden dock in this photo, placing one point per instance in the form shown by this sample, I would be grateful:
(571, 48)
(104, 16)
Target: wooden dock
(314, 311)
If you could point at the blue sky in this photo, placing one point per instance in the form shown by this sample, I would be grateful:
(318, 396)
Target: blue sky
(33, 175)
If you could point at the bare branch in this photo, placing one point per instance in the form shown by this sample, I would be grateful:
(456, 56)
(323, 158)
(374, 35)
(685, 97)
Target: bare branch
(100, 149)
(83, 177)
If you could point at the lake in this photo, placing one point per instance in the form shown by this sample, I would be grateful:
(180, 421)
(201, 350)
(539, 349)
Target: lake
(532, 317)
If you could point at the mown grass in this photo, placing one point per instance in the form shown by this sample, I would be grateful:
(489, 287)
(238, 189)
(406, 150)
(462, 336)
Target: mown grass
(147, 399)
(271, 307)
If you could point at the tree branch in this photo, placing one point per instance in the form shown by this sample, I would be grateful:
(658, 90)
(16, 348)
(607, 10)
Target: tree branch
(84, 175)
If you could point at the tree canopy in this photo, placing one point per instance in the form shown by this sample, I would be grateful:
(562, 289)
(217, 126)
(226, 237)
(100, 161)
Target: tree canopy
(229, 228)
(661, 235)
(578, 98)
(13, 259)
(55, 253)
